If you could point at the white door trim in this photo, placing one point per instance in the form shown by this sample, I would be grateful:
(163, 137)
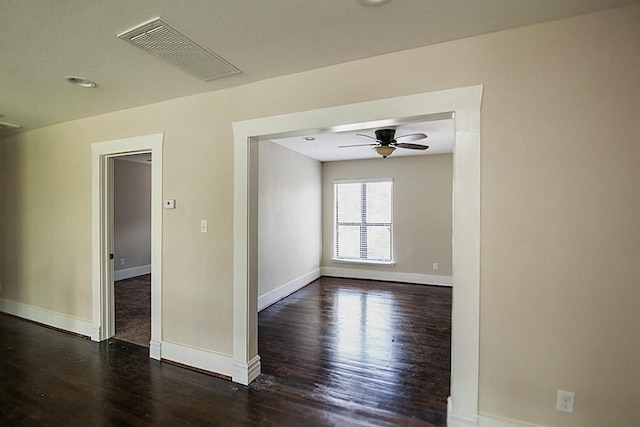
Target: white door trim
(103, 317)
(465, 103)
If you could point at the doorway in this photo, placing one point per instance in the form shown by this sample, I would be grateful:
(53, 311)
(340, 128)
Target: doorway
(103, 155)
(465, 104)
(349, 327)
(132, 248)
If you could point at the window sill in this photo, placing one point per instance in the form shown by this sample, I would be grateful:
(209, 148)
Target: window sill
(363, 261)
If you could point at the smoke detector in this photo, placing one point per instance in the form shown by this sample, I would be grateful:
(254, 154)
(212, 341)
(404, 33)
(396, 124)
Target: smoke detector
(162, 40)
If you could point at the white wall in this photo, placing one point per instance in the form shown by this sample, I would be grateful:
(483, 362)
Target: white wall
(422, 190)
(131, 216)
(289, 222)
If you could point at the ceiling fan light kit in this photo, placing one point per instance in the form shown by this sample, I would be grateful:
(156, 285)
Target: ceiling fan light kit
(385, 150)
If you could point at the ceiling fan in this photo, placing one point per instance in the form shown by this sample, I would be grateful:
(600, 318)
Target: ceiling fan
(386, 142)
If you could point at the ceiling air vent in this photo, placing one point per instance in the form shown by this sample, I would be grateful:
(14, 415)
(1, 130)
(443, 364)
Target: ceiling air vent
(159, 38)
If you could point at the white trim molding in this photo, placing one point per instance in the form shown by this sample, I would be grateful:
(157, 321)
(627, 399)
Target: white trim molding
(465, 104)
(287, 289)
(155, 350)
(197, 357)
(102, 154)
(128, 273)
(387, 276)
(95, 332)
(47, 317)
(244, 373)
(456, 420)
(495, 421)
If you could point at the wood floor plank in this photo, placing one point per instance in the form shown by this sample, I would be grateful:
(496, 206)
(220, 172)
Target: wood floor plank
(337, 353)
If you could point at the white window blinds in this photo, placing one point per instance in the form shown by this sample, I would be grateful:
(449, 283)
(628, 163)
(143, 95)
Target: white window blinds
(364, 220)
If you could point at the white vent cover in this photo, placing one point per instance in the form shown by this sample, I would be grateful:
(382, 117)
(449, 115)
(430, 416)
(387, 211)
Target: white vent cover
(159, 38)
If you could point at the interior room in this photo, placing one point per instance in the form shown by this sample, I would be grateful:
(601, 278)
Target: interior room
(132, 248)
(296, 236)
(296, 207)
(543, 259)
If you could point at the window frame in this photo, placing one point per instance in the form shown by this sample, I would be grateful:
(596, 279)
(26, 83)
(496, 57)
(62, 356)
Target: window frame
(362, 224)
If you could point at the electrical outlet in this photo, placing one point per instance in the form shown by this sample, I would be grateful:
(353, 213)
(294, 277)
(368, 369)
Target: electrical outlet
(565, 401)
(435, 266)
(121, 261)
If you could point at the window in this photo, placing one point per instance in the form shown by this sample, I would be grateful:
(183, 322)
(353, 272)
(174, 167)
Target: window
(364, 221)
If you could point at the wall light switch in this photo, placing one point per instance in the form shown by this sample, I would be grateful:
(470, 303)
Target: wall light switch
(170, 204)
(204, 226)
(435, 266)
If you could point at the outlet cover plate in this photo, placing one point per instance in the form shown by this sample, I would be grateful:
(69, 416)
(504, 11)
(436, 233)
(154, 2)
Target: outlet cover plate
(565, 400)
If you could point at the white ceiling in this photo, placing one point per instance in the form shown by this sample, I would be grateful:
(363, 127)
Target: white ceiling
(325, 146)
(42, 41)
(144, 158)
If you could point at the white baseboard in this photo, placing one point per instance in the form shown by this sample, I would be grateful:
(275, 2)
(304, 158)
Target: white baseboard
(244, 373)
(454, 420)
(128, 273)
(457, 420)
(287, 289)
(390, 276)
(495, 421)
(95, 332)
(155, 350)
(46, 317)
(198, 358)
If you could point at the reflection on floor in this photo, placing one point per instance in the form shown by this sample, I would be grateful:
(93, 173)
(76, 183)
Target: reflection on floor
(374, 349)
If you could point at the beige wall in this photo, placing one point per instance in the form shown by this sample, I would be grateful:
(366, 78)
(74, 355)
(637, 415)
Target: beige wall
(46, 221)
(559, 242)
(289, 216)
(131, 214)
(10, 246)
(422, 189)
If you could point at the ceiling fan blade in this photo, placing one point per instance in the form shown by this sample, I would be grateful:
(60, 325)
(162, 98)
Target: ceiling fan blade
(411, 137)
(357, 145)
(367, 136)
(412, 146)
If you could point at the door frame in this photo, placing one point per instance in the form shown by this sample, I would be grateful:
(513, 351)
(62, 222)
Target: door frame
(465, 104)
(102, 234)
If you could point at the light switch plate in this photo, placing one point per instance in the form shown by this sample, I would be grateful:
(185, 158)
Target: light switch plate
(170, 204)
(565, 401)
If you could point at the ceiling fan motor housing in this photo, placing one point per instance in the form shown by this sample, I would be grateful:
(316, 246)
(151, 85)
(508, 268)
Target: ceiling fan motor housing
(385, 136)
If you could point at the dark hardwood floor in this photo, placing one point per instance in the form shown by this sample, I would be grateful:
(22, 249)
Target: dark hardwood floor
(338, 352)
(364, 348)
(133, 310)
